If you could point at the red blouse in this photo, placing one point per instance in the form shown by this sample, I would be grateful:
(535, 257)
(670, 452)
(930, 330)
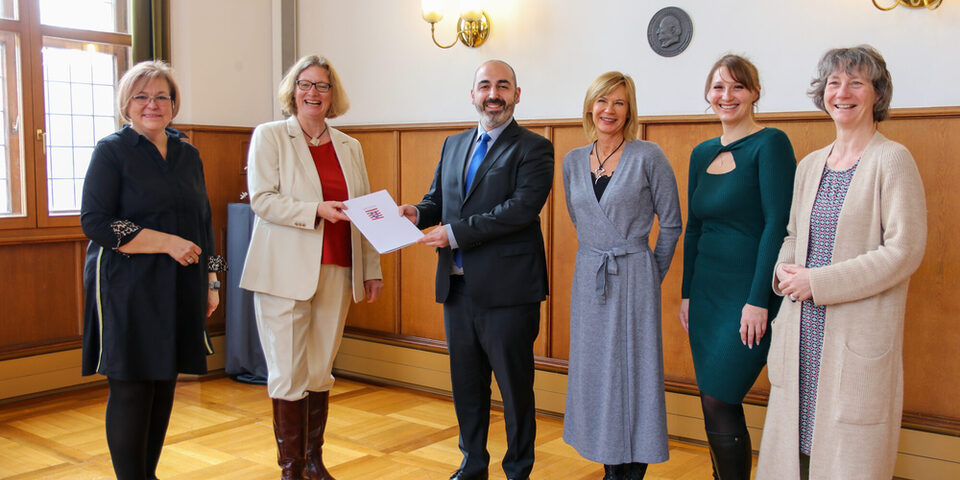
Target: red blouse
(336, 236)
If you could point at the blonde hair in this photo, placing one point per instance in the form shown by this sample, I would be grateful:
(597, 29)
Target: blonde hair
(339, 104)
(142, 73)
(603, 85)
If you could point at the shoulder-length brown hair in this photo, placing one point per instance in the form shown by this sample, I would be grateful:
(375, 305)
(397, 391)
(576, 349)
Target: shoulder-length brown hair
(741, 69)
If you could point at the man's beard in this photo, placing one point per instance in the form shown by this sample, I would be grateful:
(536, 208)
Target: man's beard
(495, 118)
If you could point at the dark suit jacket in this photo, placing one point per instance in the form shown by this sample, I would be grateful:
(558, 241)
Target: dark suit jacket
(496, 225)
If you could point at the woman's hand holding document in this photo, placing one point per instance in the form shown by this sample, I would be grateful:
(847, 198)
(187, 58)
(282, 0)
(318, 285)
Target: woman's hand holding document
(376, 217)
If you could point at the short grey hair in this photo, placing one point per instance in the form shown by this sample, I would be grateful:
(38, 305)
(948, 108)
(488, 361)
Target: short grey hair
(864, 59)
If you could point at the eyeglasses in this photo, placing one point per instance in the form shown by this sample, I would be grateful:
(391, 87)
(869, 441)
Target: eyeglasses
(160, 100)
(304, 85)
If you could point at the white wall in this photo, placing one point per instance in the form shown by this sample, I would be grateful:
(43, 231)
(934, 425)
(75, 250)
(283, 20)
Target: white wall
(221, 51)
(394, 74)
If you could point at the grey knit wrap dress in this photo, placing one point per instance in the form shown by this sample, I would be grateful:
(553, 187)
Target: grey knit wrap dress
(615, 410)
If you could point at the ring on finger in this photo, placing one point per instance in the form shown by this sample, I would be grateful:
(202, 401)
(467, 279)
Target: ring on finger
(793, 298)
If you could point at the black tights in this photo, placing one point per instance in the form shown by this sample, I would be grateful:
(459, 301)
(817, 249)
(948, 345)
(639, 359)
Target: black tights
(729, 439)
(721, 417)
(137, 416)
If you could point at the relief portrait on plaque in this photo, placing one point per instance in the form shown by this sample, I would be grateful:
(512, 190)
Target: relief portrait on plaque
(669, 31)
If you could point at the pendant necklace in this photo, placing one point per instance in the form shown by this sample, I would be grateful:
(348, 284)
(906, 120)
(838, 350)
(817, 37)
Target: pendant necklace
(314, 141)
(596, 149)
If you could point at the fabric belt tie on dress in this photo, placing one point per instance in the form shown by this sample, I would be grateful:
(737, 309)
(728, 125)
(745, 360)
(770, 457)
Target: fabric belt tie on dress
(608, 262)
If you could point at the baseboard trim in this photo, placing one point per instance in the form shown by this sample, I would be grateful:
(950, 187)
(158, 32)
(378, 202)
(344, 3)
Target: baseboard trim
(25, 377)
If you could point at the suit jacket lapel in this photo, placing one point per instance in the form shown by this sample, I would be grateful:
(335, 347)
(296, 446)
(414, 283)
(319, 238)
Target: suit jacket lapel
(461, 150)
(496, 151)
(304, 159)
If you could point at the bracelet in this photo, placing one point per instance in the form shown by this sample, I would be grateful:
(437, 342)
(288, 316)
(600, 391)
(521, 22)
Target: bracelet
(214, 285)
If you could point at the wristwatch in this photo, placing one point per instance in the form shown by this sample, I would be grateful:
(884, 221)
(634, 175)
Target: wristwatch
(215, 285)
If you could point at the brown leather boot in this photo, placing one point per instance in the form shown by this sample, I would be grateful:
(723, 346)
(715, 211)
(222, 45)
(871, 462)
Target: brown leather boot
(318, 405)
(288, 427)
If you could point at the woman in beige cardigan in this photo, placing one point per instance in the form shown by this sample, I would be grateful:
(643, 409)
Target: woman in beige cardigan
(857, 232)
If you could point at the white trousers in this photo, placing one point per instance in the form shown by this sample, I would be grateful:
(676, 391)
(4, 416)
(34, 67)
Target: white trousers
(300, 339)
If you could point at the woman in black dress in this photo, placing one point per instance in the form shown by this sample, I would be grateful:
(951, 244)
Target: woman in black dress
(150, 275)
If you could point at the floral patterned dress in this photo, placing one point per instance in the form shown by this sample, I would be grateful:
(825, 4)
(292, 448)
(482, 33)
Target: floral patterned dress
(823, 228)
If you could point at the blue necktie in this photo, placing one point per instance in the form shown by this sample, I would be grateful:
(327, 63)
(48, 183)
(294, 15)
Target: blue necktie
(472, 168)
(476, 160)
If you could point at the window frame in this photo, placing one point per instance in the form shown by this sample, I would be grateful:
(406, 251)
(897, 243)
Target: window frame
(31, 34)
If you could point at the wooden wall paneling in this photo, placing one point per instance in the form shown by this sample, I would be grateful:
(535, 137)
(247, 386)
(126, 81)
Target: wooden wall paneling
(420, 314)
(931, 364)
(542, 345)
(80, 260)
(380, 152)
(677, 141)
(402, 158)
(806, 135)
(564, 244)
(39, 292)
(222, 151)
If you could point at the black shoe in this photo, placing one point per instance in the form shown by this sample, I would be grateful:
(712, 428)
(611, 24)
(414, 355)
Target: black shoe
(614, 472)
(459, 475)
(732, 455)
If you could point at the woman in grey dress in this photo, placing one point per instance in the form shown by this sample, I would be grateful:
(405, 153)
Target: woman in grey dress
(615, 411)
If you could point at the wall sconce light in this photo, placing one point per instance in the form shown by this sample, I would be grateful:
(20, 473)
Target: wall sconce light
(928, 4)
(472, 28)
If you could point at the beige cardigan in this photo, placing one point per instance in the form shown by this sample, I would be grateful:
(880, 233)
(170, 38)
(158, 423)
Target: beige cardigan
(286, 244)
(880, 238)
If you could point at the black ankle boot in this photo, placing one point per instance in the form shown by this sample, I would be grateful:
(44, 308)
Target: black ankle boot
(614, 472)
(732, 455)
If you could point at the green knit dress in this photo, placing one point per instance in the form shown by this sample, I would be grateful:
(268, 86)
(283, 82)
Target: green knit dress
(736, 223)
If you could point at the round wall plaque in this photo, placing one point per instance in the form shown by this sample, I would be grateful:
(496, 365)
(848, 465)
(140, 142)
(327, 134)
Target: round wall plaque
(669, 31)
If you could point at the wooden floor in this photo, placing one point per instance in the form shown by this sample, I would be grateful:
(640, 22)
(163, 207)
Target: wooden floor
(221, 429)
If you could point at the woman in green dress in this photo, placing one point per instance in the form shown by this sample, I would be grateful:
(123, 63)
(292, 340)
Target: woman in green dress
(739, 193)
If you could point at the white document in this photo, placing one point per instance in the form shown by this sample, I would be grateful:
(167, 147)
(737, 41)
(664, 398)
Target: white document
(378, 218)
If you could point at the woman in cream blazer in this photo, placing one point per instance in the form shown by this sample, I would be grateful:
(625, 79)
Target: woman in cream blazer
(305, 261)
(284, 254)
(849, 408)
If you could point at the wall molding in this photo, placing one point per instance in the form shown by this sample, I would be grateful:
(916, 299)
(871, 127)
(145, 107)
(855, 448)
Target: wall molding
(895, 113)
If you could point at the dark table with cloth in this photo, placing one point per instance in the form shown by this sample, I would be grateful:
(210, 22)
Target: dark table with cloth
(244, 355)
(145, 314)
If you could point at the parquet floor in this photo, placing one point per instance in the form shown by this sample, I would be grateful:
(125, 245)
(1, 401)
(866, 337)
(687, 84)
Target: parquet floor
(221, 429)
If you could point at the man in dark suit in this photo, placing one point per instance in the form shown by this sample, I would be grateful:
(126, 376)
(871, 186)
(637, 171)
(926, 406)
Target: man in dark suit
(487, 193)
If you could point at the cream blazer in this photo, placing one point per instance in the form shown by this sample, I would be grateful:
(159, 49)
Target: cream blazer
(286, 244)
(879, 243)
